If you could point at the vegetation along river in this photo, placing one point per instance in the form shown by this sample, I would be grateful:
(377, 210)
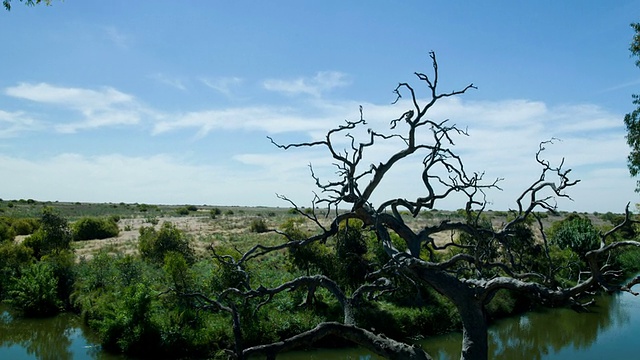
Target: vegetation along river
(610, 330)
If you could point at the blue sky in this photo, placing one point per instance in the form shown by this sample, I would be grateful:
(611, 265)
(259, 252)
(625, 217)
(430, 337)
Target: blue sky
(172, 102)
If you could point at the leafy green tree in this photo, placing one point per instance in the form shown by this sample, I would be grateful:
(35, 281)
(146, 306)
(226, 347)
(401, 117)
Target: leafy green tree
(576, 233)
(155, 244)
(53, 235)
(632, 119)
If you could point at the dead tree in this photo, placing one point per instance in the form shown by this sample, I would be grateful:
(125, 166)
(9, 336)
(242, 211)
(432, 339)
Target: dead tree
(486, 259)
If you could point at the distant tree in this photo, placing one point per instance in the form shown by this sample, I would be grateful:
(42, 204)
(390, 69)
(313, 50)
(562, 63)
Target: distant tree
(632, 119)
(7, 3)
(53, 236)
(155, 244)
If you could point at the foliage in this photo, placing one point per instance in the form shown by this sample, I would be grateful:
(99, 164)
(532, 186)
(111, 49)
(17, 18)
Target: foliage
(176, 267)
(35, 291)
(154, 245)
(25, 226)
(53, 235)
(129, 325)
(182, 211)
(15, 257)
(632, 119)
(89, 228)
(7, 233)
(258, 226)
(63, 265)
(351, 265)
(576, 233)
(7, 3)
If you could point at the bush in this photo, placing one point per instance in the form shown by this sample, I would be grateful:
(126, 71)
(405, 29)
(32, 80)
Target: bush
(154, 245)
(6, 232)
(258, 226)
(213, 213)
(35, 292)
(576, 233)
(129, 326)
(24, 226)
(53, 235)
(182, 211)
(14, 258)
(89, 228)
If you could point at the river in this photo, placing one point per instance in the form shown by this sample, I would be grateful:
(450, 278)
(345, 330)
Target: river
(609, 330)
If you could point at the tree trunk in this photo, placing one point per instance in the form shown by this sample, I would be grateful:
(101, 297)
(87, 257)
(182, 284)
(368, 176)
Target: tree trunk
(474, 331)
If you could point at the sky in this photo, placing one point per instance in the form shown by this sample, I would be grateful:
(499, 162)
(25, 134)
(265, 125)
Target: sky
(169, 102)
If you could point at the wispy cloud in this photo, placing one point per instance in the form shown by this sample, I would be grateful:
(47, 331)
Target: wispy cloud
(323, 81)
(620, 86)
(117, 37)
(223, 85)
(104, 107)
(174, 82)
(14, 123)
(265, 118)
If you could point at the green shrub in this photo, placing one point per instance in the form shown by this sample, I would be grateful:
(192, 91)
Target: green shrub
(14, 257)
(182, 211)
(129, 325)
(6, 232)
(258, 226)
(89, 228)
(576, 233)
(53, 235)
(154, 245)
(192, 208)
(213, 213)
(24, 226)
(35, 292)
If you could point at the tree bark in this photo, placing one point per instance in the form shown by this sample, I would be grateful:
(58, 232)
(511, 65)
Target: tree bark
(379, 344)
(474, 331)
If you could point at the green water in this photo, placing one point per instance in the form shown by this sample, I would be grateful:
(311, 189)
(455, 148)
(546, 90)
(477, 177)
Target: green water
(62, 337)
(609, 331)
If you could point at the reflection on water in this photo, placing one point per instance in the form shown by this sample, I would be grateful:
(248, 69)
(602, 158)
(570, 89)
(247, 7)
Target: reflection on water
(56, 338)
(558, 333)
(609, 330)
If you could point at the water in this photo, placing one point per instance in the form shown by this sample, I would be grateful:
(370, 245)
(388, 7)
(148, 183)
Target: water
(62, 337)
(609, 330)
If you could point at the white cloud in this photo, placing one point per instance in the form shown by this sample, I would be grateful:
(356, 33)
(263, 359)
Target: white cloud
(14, 123)
(104, 107)
(268, 119)
(504, 137)
(322, 82)
(160, 179)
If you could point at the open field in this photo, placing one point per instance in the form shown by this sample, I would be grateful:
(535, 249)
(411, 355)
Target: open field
(232, 224)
